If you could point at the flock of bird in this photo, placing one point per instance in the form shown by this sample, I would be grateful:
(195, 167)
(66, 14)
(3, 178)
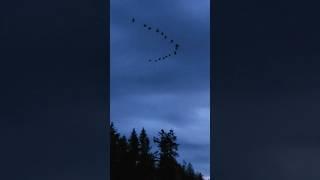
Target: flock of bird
(172, 53)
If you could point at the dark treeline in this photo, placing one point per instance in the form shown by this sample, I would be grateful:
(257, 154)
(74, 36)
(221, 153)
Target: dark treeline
(131, 158)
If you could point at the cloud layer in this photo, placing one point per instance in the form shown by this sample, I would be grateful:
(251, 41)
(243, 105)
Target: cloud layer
(171, 94)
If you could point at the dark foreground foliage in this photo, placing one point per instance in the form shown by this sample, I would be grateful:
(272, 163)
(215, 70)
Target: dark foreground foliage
(131, 158)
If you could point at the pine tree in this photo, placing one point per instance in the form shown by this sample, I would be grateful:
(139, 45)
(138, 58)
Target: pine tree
(133, 159)
(168, 152)
(146, 159)
(133, 154)
(124, 154)
(114, 153)
(190, 172)
(199, 176)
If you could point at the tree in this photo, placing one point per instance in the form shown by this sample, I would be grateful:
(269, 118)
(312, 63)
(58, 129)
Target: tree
(168, 147)
(133, 154)
(189, 172)
(114, 153)
(133, 159)
(199, 176)
(146, 158)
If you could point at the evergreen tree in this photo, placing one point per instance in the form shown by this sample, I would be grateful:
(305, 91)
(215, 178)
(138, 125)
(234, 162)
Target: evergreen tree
(146, 160)
(133, 159)
(114, 155)
(199, 176)
(123, 153)
(190, 172)
(133, 154)
(168, 152)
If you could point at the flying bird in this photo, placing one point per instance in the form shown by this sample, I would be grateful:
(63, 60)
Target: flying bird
(176, 45)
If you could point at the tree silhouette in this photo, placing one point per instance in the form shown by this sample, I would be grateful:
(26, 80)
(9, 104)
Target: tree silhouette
(146, 158)
(133, 159)
(114, 150)
(167, 156)
(133, 154)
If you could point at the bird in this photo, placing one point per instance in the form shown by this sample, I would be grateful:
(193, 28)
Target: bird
(177, 46)
(149, 28)
(161, 33)
(149, 60)
(175, 53)
(169, 55)
(133, 20)
(165, 37)
(159, 59)
(171, 41)
(144, 25)
(157, 30)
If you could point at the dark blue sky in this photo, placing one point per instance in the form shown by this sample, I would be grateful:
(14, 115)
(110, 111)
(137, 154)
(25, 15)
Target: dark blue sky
(171, 94)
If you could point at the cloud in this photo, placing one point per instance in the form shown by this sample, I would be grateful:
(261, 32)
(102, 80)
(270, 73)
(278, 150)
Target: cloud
(166, 95)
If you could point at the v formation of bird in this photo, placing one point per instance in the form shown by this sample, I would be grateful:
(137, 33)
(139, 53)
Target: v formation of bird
(175, 49)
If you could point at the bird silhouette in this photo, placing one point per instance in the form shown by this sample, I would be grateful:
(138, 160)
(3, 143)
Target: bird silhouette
(176, 45)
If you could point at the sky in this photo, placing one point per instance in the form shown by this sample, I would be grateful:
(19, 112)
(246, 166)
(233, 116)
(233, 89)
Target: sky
(171, 94)
(53, 91)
